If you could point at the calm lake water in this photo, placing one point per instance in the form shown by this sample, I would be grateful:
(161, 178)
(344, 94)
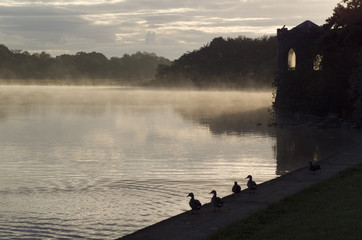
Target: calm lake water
(103, 162)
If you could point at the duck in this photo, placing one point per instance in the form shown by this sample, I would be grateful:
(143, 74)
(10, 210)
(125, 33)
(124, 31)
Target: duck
(236, 188)
(251, 184)
(216, 201)
(314, 167)
(194, 203)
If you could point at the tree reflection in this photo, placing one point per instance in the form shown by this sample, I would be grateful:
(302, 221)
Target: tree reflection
(295, 145)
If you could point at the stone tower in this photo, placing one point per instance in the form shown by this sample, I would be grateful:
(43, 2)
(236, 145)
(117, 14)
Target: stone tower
(294, 47)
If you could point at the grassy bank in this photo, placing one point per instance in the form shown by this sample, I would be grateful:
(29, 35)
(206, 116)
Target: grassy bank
(329, 210)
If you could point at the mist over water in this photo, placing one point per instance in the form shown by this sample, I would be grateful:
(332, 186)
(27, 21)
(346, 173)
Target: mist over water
(102, 162)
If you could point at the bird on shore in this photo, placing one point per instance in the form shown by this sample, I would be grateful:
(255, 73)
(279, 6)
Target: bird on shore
(236, 188)
(216, 201)
(313, 167)
(194, 203)
(251, 184)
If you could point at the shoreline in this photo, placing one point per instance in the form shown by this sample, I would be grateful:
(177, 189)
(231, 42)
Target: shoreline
(205, 221)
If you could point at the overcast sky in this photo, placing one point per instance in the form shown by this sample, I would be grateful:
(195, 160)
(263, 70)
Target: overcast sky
(168, 28)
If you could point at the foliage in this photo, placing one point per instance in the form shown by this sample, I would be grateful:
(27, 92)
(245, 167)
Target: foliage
(340, 45)
(236, 62)
(347, 13)
(305, 95)
(15, 64)
(356, 90)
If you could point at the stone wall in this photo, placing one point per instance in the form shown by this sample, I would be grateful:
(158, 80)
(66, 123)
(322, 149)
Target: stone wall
(301, 39)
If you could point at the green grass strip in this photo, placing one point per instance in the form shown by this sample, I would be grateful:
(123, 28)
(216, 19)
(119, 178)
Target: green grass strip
(329, 210)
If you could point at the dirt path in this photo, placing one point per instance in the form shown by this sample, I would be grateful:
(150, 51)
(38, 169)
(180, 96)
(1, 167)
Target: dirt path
(205, 221)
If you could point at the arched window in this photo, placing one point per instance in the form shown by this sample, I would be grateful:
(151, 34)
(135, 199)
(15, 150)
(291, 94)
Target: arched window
(292, 59)
(317, 62)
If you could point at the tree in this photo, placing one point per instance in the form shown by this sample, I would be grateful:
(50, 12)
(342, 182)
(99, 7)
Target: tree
(356, 90)
(232, 62)
(347, 13)
(340, 45)
(20, 66)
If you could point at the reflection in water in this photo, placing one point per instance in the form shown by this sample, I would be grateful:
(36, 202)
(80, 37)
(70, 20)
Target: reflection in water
(295, 145)
(298, 145)
(247, 122)
(98, 163)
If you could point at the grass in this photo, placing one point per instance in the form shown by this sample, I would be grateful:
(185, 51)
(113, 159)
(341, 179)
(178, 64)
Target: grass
(329, 210)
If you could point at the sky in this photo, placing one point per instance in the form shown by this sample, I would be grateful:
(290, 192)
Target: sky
(168, 28)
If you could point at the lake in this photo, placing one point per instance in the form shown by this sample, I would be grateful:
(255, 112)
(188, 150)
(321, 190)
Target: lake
(103, 162)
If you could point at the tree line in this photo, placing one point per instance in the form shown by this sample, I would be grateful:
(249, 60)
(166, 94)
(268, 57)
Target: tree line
(20, 66)
(240, 62)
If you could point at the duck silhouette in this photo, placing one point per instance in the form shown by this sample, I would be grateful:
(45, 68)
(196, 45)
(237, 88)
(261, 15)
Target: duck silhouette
(236, 188)
(216, 201)
(194, 203)
(313, 167)
(251, 184)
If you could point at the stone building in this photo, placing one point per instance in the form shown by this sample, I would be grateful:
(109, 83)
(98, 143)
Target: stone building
(295, 47)
(298, 61)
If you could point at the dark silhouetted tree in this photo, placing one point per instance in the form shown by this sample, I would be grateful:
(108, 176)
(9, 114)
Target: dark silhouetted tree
(340, 46)
(233, 62)
(18, 66)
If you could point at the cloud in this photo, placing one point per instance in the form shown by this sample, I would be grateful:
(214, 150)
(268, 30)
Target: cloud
(168, 28)
(150, 38)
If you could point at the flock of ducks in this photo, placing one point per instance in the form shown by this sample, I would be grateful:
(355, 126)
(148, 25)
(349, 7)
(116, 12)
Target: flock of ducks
(217, 202)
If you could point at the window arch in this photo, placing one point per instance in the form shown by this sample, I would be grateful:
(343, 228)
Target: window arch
(317, 62)
(292, 59)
